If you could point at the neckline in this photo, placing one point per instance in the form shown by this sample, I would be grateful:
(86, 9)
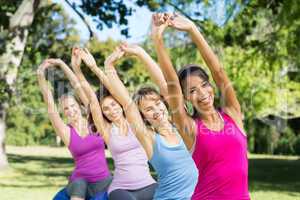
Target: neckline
(166, 143)
(122, 135)
(215, 131)
(77, 133)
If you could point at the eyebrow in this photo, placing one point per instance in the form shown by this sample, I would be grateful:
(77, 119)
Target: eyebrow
(149, 107)
(194, 87)
(104, 107)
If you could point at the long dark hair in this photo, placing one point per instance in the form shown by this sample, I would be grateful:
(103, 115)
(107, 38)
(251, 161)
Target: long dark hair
(186, 71)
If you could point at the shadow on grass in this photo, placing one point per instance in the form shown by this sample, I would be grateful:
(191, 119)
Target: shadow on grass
(265, 174)
(271, 174)
(40, 171)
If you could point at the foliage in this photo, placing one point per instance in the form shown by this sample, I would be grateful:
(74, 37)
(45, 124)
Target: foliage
(257, 43)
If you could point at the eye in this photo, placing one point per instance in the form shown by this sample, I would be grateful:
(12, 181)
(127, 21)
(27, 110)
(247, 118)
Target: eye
(192, 90)
(148, 109)
(204, 84)
(157, 103)
(104, 108)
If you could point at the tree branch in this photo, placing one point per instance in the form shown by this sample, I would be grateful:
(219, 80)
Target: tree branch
(82, 17)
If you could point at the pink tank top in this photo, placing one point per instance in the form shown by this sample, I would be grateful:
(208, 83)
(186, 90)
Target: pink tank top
(221, 159)
(89, 157)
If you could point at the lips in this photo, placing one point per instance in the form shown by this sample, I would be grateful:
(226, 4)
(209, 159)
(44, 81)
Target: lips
(205, 100)
(158, 117)
(114, 115)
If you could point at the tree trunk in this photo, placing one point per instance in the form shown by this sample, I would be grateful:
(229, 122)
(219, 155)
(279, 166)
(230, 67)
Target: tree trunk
(10, 61)
(3, 158)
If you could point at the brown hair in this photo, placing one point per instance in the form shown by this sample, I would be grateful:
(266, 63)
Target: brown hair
(142, 93)
(188, 70)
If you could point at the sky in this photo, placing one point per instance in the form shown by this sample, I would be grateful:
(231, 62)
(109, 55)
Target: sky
(139, 25)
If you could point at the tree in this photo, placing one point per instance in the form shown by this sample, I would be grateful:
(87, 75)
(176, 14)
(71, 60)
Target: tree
(10, 59)
(17, 17)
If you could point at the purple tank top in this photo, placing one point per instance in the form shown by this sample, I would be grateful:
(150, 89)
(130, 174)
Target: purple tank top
(89, 157)
(221, 158)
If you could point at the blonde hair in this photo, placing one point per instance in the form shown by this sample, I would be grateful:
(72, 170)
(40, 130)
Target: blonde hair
(83, 109)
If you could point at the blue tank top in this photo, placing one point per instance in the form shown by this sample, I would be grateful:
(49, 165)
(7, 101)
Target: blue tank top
(176, 170)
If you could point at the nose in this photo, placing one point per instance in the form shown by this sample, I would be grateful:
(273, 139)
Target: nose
(201, 92)
(112, 109)
(156, 112)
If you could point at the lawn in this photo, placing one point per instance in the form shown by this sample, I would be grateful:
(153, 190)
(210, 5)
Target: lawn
(38, 172)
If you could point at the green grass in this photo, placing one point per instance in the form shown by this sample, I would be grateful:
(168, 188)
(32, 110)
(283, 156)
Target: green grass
(39, 172)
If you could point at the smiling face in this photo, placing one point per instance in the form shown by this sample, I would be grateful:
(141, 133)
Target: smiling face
(200, 93)
(196, 88)
(70, 108)
(151, 105)
(111, 109)
(153, 109)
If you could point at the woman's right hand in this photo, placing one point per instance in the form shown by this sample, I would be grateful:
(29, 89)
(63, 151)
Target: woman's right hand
(159, 24)
(87, 57)
(131, 49)
(43, 66)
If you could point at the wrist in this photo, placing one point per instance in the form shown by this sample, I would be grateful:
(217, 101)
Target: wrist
(193, 29)
(157, 37)
(40, 71)
(141, 52)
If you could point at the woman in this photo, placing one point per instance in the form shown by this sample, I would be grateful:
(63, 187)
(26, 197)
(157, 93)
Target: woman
(215, 137)
(91, 175)
(132, 179)
(177, 173)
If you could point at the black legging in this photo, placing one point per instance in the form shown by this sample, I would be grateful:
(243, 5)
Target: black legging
(145, 193)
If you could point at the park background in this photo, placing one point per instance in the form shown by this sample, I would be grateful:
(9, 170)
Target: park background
(256, 40)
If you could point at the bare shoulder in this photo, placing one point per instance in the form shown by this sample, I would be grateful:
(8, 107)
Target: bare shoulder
(237, 118)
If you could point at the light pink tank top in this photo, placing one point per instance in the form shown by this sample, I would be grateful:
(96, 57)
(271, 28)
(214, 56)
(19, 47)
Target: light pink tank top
(130, 161)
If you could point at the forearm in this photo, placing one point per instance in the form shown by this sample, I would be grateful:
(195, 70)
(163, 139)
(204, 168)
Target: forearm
(173, 85)
(155, 72)
(84, 84)
(47, 94)
(165, 61)
(75, 83)
(208, 55)
(101, 76)
(117, 88)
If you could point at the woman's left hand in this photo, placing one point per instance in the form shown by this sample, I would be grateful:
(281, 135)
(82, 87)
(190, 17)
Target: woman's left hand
(75, 59)
(112, 58)
(159, 24)
(181, 23)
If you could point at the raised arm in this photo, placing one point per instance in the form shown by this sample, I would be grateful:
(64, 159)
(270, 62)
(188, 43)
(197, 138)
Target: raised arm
(151, 66)
(61, 129)
(100, 122)
(132, 113)
(72, 78)
(218, 73)
(91, 63)
(182, 120)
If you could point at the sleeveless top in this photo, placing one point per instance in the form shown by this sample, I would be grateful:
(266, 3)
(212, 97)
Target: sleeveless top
(221, 159)
(89, 157)
(176, 170)
(130, 161)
